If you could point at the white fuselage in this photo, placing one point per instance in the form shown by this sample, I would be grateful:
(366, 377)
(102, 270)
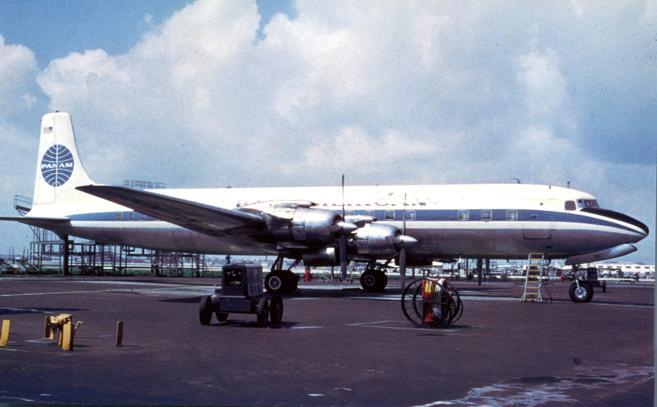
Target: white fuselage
(449, 221)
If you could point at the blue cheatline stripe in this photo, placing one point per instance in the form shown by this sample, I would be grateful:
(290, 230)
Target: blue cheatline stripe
(431, 215)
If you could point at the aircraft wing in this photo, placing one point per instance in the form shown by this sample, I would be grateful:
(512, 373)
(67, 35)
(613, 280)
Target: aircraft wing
(202, 218)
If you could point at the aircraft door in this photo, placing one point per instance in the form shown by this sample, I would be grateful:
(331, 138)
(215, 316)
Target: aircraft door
(536, 228)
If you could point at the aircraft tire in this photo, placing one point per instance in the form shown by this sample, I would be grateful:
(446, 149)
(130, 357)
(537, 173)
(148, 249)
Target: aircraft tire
(382, 281)
(222, 316)
(205, 310)
(292, 282)
(262, 311)
(582, 294)
(275, 282)
(276, 310)
(373, 281)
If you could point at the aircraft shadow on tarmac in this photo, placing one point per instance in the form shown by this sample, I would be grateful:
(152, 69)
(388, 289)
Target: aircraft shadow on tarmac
(40, 310)
(307, 293)
(185, 300)
(237, 323)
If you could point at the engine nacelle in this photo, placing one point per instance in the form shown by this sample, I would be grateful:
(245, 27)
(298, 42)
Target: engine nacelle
(377, 240)
(308, 226)
(327, 257)
(315, 225)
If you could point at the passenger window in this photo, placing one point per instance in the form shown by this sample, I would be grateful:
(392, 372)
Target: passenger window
(463, 215)
(389, 215)
(486, 215)
(511, 214)
(410, 215)
(570, 205)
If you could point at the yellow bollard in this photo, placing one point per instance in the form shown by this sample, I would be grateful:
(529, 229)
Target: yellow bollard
(63, 323)
(4, 335)
(66, 337)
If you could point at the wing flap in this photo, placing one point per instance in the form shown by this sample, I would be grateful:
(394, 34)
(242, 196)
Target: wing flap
(202, 218)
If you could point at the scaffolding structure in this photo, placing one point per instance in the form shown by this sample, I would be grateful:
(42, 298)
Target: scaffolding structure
(47, 253)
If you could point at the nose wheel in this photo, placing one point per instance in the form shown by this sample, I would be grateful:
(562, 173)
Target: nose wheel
(581, 291)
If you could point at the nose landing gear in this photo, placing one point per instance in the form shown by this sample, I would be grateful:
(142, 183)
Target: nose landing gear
(580, 291)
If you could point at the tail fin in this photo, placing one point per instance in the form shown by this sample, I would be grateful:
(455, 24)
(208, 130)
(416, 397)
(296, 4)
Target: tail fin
(59, 169)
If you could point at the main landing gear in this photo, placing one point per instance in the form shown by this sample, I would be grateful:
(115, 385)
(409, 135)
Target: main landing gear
(374, 278)
(279, 281)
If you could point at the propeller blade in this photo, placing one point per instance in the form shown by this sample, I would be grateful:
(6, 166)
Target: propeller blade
(342, 253)
(343, 212)
(404, 224)
(402, 268)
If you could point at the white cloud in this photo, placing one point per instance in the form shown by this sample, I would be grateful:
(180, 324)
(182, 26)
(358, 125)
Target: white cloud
(544, 84)
(385, 92)
(355, 152)
(17, 69)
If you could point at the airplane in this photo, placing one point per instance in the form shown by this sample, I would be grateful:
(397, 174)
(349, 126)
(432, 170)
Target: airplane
(412, 225)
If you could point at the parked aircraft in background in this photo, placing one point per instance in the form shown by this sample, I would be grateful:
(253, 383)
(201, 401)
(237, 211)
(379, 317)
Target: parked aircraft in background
(325, 226)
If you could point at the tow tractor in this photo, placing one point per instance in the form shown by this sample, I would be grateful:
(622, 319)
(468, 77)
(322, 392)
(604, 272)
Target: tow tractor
(581, 290)
(241, 292)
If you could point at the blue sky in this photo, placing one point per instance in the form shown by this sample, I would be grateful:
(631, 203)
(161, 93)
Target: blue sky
(53, 29)
(387, 92)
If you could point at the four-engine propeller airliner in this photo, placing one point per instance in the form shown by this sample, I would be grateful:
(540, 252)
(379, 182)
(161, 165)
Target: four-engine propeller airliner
(325, 226)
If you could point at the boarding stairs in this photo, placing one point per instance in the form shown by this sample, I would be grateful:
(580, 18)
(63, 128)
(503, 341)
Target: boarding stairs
(534, 285)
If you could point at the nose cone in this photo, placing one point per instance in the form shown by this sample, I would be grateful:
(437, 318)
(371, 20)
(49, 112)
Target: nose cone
(405, 240)
(347, 227)
(634, 226)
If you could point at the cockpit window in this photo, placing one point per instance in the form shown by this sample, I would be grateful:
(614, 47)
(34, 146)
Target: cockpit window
(570, 205)
(587, 203)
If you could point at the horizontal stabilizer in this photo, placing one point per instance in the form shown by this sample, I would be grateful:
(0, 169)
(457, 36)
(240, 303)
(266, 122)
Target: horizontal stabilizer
(44, 223)
(202, 218)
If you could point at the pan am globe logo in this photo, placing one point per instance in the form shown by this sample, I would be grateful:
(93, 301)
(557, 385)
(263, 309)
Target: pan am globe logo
(57, 165)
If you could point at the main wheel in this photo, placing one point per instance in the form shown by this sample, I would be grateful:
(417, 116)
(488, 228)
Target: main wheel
(368, 280)
(291, 282)
(262, 311)
(205, 310)
(583, 293)
(275, 282)
(222, 316)
(276, 310)
(374, 281)
(382, 281)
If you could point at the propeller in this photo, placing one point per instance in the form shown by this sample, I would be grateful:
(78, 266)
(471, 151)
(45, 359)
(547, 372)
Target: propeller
(342, 241)
(402, 251)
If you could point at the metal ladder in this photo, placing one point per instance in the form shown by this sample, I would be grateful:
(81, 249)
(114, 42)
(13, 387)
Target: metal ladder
(534, 278)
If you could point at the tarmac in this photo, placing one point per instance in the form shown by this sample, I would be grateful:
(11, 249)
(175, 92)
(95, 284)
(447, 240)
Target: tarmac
(336, 346)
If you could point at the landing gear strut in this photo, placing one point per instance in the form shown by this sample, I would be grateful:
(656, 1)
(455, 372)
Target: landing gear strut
(279, 281)
(374, 278)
